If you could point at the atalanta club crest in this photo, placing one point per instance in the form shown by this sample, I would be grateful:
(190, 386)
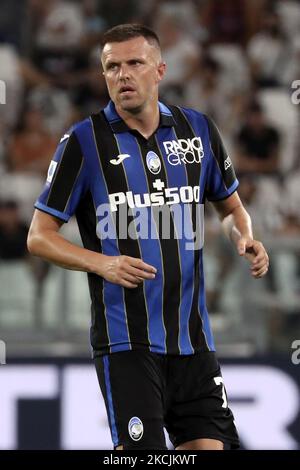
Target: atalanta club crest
(153, 162)
(135, 429)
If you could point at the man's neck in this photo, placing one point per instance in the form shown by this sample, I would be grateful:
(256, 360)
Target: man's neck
(146, 122)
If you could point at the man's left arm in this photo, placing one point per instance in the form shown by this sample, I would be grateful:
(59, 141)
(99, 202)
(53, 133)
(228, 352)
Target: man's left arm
(237, 225)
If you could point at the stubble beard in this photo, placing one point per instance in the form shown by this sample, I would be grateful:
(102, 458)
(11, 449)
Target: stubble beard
(131, 108)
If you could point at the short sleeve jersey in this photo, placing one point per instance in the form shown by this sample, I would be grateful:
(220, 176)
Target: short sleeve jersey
(143, 198)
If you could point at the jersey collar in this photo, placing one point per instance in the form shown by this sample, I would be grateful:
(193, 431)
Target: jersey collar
(118, 125)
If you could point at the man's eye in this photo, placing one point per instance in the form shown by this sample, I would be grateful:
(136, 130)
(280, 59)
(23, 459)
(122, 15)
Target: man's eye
(112, 67)
(135, 62)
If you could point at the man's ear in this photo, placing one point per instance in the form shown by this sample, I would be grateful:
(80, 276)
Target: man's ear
(161, 70)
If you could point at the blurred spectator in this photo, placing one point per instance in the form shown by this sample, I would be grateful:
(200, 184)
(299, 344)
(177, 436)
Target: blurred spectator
(94, 24)
(91, 95)
(291, 201)
(118, 11)
(206, 91)
(11, 28)
(257, 144)
(289, 13)
(56, 107)
(268, 51)
(180, 52)
(284, 115)
(57, 44)
(226, 20)
(235, 68)
(16, 72)
(13, 86)
(2, 147)
(262, 198)
(188, 14)
(61, 26)
(32, 147)
(13, 232)
(292, 70)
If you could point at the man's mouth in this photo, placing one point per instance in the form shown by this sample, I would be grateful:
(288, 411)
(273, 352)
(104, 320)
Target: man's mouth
(126, 89)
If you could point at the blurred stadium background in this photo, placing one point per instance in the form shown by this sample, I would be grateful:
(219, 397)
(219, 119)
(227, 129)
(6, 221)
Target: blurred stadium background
(236, 60)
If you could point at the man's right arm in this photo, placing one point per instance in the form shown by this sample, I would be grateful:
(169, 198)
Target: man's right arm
(45, 241)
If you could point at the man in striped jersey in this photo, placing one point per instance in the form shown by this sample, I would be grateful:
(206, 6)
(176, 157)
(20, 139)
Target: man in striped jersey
(150, 333)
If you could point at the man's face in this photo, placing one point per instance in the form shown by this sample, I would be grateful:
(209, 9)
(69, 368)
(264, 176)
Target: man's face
(132, 71)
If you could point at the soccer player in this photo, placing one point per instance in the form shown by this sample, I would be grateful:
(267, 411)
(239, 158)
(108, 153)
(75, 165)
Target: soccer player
(152, 343)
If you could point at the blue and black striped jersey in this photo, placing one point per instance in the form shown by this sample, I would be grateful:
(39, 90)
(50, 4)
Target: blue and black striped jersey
(105, 173)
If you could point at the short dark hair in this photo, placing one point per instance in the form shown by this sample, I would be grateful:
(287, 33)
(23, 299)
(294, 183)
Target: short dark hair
(125, 32)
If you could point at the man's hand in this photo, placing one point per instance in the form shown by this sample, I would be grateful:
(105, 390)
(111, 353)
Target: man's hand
(125, 270)
(256, 254)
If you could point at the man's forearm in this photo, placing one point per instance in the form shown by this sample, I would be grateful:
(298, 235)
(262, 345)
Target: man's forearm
(45, 241)
(52, 247)
(237, 224)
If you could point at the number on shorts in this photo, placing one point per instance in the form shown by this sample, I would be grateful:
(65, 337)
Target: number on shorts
(219, 381)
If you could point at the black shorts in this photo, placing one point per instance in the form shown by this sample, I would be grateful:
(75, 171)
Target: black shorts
(145, 392)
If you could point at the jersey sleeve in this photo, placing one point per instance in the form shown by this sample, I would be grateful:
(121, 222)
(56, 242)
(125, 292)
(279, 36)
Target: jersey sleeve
(66, 180)
(221, 180)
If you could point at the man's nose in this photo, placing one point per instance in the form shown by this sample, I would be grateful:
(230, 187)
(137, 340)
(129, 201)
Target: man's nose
(124, 72)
